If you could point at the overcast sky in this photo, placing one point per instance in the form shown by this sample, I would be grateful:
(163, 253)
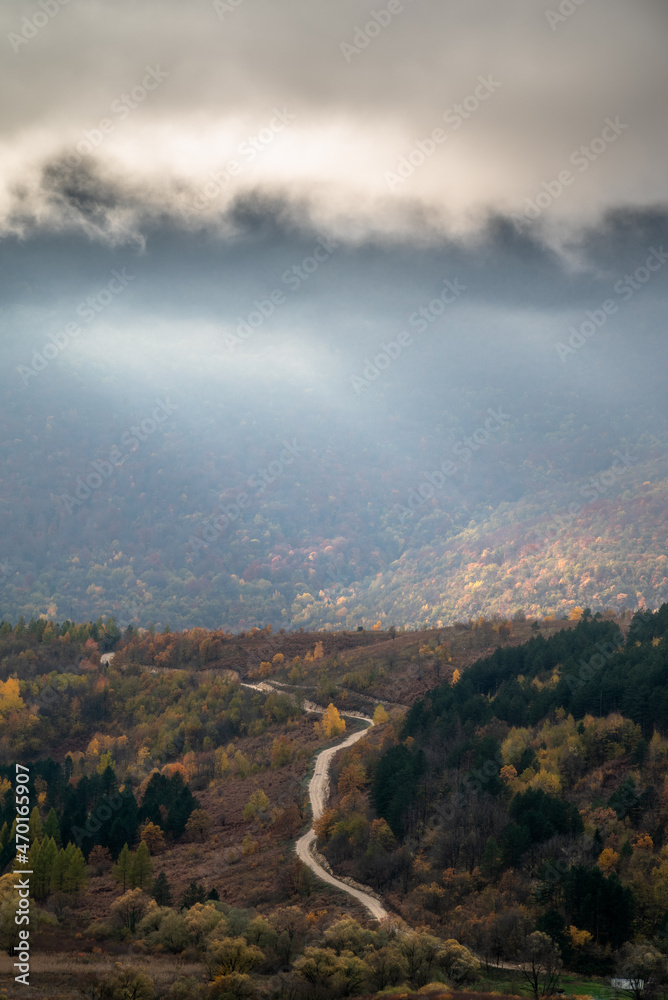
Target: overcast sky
(206, 147)
(517, 148)
(317, 104)
(241, 205)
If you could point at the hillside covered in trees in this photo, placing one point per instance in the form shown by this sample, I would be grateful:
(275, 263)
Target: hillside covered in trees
(516, 808)
(562, 505)
(529, 793)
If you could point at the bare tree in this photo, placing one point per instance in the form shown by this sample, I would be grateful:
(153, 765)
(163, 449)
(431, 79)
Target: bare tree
(541, 964)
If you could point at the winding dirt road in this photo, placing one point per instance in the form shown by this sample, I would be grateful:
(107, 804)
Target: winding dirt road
(318, 791)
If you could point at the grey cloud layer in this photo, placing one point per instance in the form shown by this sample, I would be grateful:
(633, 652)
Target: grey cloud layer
(354, 119)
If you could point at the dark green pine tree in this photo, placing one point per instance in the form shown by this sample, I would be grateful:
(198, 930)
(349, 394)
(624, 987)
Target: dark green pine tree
(108, 780)
(124, 826)
(626, 850)
(180, 810)
(40, 880)
(195, 893)
(161, 891)
(491, 859)
(75, 877)
(60, 869)
(52, 827)
(141, 869)
(123, 867)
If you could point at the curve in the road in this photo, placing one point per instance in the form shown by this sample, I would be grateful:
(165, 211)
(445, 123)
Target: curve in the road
(318, 791)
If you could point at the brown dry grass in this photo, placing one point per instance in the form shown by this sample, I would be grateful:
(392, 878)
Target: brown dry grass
(405, 679)
(446, 992)
(271, 876)
(59, 976)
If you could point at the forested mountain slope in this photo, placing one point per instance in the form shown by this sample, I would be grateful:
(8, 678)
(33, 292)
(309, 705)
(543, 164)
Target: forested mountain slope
(233, 515)
(528, 793)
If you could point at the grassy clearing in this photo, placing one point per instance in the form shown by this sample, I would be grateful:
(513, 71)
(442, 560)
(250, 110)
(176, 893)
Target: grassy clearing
(512, 982)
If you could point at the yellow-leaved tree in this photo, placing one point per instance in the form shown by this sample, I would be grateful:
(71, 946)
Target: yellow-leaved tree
(608, 860)
(10, 699)
(380, 716)
(9, 903)
(332, 724)
(579, 939)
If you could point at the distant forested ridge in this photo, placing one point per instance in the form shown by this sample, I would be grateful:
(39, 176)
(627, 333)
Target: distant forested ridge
(564, 506)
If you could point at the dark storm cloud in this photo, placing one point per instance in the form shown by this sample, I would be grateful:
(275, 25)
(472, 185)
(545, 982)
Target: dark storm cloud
(82, 198)
(208, 275)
